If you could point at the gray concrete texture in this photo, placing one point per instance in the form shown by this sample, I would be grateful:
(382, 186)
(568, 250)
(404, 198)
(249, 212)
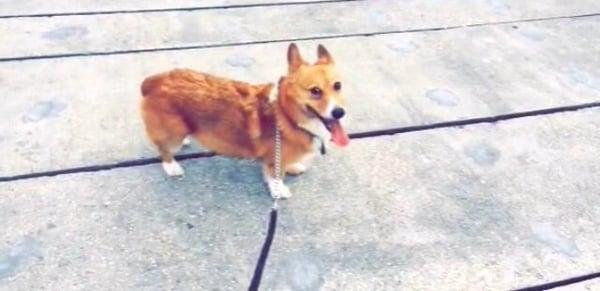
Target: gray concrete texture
(29, 7)
(487, 207)
(483, 207)
(100, 33)
(412, 79)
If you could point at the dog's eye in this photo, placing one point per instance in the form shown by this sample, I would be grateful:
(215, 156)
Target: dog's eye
(316, 93)
(337, 86)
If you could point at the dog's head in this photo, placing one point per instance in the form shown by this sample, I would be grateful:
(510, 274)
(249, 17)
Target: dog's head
(311, 94)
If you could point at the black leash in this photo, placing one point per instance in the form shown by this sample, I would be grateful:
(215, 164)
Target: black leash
(266, 247)
(276, 194)
(561, 283)
(264, 253)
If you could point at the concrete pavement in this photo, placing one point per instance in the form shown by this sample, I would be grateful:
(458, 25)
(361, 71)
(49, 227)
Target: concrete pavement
(487, 207)
(104, 33)
(34, 7)
(411, 79)
(481, 207)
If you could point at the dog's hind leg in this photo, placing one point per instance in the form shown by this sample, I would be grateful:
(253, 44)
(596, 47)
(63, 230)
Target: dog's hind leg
(167, 132)
(169, 164)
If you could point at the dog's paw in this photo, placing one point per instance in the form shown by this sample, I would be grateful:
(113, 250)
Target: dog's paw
(173, 169)
(296, 169)
(186, 141)
(278, 189)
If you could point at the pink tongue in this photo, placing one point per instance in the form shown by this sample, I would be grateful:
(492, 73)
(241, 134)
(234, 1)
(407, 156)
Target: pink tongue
(338, 135)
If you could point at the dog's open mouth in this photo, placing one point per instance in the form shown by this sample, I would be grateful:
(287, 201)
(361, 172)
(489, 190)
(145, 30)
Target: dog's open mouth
(338, 134)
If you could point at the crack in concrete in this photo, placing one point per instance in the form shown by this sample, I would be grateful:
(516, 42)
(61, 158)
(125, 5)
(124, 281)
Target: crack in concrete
(358, 135)
(159, 10)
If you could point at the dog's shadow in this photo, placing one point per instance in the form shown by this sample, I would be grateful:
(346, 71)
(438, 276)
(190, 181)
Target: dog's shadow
(216, 218)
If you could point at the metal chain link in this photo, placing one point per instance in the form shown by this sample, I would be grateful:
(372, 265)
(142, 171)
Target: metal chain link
(278, 180)
(277, 152)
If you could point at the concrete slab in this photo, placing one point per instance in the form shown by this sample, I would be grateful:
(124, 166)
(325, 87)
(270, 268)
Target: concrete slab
(63, 35)
(488, 207)
(29, 7)
(79, 111)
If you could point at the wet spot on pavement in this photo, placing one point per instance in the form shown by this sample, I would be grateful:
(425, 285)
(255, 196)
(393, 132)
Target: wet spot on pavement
(482, 154)
(302, 271)
(583, 78)
(533, 33)
(44, 109)
(16, 256)
(66, 32)
(240, 61)
(403, 46)
(546, 233)
(442, 97)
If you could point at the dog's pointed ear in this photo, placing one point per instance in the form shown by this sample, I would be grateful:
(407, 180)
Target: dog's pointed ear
(294, 58)
(324, 56)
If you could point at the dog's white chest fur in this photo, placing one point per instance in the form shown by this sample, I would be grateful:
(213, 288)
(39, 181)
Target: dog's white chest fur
(317, 128)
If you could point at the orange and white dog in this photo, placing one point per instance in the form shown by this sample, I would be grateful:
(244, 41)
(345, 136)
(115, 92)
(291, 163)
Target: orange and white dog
(238, 119)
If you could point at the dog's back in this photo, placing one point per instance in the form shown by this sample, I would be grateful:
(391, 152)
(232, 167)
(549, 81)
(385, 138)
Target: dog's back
(221, 114)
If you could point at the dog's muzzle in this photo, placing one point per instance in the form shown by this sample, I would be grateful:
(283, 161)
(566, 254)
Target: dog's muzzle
(338, 135)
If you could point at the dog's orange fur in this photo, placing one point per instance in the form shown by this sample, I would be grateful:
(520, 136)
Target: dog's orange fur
(235, 118)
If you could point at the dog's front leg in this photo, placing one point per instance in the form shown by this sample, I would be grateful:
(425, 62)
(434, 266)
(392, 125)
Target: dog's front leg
(276, 186)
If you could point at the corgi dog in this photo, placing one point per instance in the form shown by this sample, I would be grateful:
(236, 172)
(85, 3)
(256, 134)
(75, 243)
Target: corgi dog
(238, 119)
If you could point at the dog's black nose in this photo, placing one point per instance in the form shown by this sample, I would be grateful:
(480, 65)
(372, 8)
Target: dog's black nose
(338, 113)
